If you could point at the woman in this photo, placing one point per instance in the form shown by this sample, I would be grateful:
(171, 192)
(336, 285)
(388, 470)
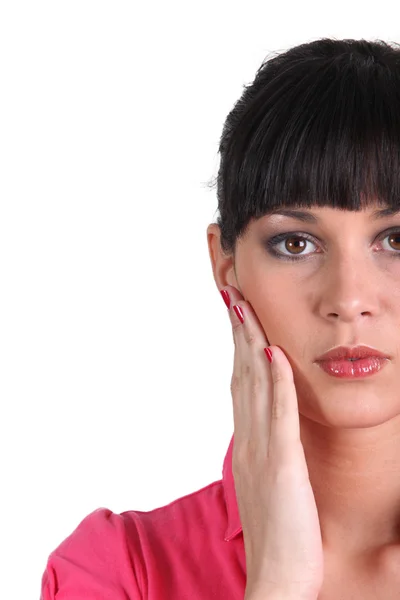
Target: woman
(306, 254)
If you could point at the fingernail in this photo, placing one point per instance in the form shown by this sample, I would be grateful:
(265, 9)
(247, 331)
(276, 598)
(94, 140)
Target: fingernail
(226, 298)
(239, 313)
(269, 354)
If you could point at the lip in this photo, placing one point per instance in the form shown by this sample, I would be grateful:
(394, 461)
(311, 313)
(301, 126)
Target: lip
(340, 353)
(363, 367)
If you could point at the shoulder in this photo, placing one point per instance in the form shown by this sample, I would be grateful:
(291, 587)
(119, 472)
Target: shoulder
(202, 510)
(93, 561)
(117, 554)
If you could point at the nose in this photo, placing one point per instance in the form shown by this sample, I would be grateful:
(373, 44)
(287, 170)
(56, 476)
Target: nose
(351, 290)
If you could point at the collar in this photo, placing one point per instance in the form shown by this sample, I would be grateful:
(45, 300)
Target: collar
(234, 523)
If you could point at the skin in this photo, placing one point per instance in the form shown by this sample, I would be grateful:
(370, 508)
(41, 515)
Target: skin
(346, 292)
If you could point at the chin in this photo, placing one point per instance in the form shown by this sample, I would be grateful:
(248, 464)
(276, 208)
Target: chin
(350, 407)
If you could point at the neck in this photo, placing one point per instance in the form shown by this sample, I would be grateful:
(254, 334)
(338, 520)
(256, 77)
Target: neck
(355, 476)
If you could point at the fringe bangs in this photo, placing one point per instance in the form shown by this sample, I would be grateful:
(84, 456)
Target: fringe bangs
(317, 131)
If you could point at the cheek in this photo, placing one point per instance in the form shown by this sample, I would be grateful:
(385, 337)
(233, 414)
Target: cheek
(274, 296)
(277, 304)
(276, 309)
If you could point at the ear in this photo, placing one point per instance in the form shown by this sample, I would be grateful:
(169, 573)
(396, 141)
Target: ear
(223, 265)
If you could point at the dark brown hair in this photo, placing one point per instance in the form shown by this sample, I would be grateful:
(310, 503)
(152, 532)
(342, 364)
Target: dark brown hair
(319, 126)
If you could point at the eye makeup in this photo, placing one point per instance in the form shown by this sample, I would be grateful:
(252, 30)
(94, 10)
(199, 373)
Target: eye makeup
(272, 243)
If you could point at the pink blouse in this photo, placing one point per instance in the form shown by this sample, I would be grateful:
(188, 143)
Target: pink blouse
(191, 549)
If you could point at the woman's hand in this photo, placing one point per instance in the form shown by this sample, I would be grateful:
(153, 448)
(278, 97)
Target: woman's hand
(281, 530)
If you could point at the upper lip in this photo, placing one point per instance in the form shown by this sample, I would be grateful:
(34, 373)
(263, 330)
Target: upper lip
(343, 352)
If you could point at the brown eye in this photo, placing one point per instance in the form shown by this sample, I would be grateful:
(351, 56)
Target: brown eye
(394, 240)
(391, 242)
(295, 244)
(291, 246)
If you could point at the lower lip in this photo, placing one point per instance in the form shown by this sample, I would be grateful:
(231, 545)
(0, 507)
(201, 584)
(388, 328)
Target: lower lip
(365, 367)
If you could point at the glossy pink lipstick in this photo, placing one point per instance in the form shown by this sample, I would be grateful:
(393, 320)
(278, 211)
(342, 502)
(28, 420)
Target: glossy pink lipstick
(352, 362)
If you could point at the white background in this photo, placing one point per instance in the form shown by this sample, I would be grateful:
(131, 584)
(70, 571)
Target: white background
(116, 348)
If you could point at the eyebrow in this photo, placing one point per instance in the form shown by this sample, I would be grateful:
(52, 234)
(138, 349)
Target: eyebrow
(308, 217)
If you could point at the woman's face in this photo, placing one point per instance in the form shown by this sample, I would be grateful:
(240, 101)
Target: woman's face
(342, 288)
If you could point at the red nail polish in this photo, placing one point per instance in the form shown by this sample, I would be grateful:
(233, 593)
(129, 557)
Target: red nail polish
(226, 298)
(269, 354)
(239, 313)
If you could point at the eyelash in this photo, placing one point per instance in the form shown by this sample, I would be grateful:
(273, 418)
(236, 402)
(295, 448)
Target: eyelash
(277, 239)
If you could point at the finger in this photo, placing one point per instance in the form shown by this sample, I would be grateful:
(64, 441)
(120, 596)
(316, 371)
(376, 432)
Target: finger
(231, 297)
(285, 423)
(251, 380)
